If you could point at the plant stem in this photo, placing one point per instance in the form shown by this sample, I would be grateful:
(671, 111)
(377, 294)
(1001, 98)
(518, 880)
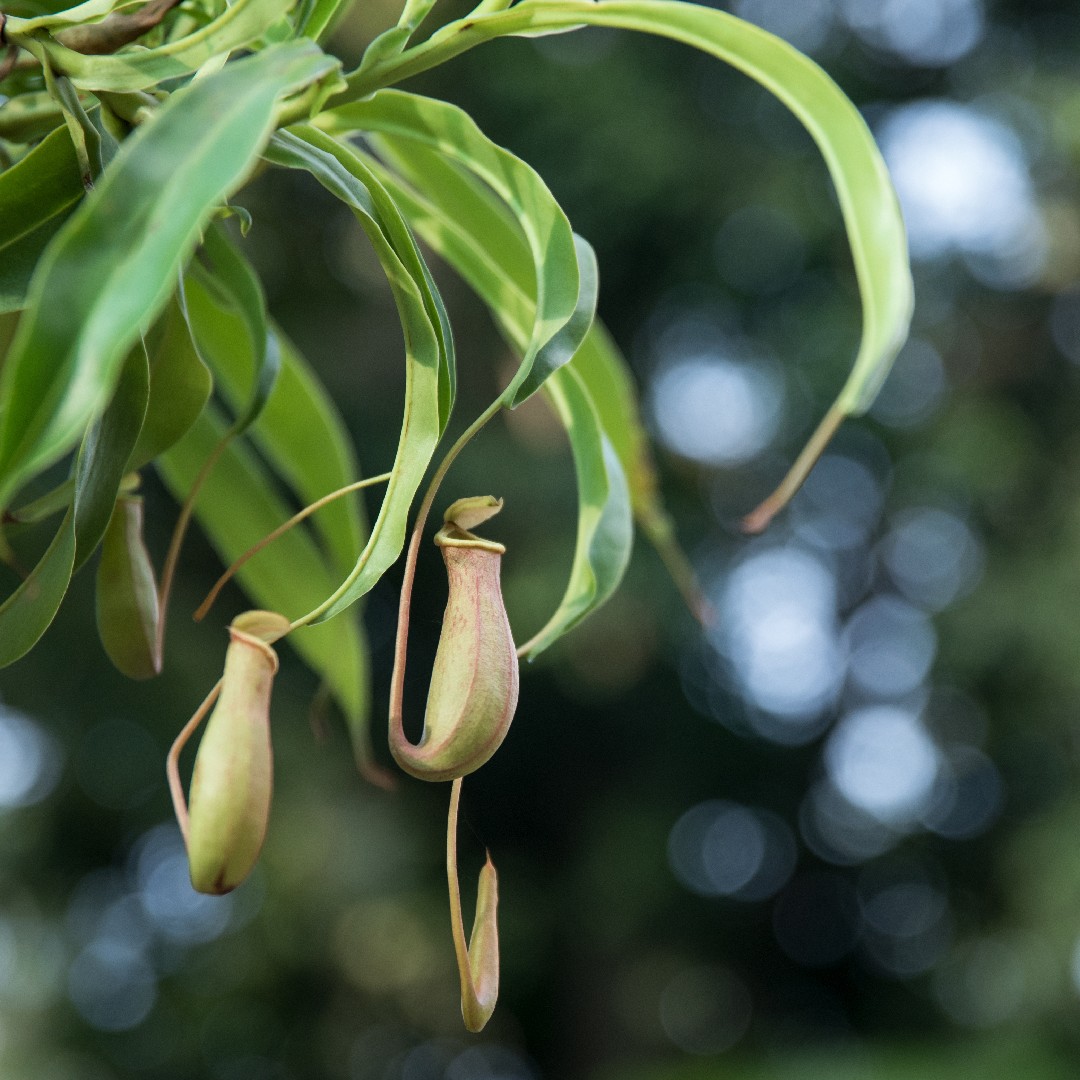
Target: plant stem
(176, 542)
(212, 595)
(457, 922)
(758, 520)
(172, 762)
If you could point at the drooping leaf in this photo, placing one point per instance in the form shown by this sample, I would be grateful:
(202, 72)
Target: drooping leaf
(562, 288)
(605, 524)
(867, 200)
(90, 11)
(27, 613)
(343, 173)
(35, 196)
(606, 375)
(300, 432)
(238, 25)
(126, 594)
(465, 224)
(164, 183)
(232, 277)
(38, 188)
(106, 451)
(98, 470)
(180, 385)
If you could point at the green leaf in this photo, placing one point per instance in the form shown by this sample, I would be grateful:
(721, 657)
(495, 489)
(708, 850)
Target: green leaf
(30, 116)
(299, 433)
(606, 375)
(343, 173)
(106, 449)
(36, 194)
(605, 528)
(464, 223)
(90, 11)
(180, 385)
(867, 200)
(27, 613)
(238, 25)
(231, 275)
(164, 183)
(562, 290)
(98, 470)
(126, 594)
(36, 189)
(237, 506)
(19, 260)
(317, 19)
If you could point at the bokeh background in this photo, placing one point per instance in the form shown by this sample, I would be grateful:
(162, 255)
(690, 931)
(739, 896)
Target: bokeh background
(835, 835)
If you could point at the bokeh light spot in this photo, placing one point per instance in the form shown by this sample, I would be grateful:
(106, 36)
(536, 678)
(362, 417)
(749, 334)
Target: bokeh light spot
(716, 410)
(882, 760)
(839, 505)
(112, 986)
(964, 186)
(777, 629)
(891, 647)
(176, 910)
(719, 848)
(928, 33)
(29, 760)
(806, 25)
(933, 556)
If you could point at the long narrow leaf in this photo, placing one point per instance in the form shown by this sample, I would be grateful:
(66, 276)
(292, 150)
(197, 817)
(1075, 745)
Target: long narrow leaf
(37, 188)
(342, 172)
(98, 470)
(464, 223)
(867, 200)
(114, 264)
(106, 451)
(90, 11)
(180, 385)
(605, 525)
(299, 433)
(36, 194)
(233, 277)
(559, 290)
(238, 25)
(27, 613)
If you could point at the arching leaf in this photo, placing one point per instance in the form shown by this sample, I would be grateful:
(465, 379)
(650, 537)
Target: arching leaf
(99, 284)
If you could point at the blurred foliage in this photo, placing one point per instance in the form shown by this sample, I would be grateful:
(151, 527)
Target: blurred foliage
(334, 962)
